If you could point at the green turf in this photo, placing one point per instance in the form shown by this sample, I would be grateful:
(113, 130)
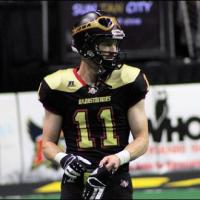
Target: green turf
(138, 194)
(168, 194)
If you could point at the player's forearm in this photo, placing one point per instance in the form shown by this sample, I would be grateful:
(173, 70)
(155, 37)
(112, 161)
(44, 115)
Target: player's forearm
(137, 147)
(50, 150)
(133, 150)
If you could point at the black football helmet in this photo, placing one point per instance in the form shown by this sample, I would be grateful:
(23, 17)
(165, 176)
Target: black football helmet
(92, 29)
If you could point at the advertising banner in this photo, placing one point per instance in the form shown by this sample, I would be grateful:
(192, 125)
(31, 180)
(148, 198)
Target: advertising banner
(36, 167)
(174, 127)
(10, 140)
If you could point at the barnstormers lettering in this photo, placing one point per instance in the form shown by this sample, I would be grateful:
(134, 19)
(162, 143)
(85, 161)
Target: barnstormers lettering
(94, 100)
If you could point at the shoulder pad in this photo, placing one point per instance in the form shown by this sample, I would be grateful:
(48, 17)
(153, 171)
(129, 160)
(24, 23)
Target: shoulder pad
(125, 75)
(63, 80)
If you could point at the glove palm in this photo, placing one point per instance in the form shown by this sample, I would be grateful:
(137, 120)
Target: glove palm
(74, 166)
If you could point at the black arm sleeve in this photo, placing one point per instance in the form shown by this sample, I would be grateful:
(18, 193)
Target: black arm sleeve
(137, 89)
(50, 98)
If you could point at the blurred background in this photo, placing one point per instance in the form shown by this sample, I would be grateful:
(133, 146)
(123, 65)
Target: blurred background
(162, 38)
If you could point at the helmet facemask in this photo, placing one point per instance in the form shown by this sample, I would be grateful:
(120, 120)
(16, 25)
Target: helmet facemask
(108, 60)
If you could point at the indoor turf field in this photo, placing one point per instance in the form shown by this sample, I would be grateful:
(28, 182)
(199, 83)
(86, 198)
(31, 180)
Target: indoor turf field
(179, 186)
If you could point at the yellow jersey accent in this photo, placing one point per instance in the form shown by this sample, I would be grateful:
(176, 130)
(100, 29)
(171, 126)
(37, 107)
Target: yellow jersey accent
(123, 76)
(63, 80)
(147, 82)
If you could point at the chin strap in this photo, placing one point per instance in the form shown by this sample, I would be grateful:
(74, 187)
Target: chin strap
(100, 84)
(104, 72)
(102, 76)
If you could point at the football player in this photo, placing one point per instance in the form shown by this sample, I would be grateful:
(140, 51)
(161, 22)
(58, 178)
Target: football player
(96, 105)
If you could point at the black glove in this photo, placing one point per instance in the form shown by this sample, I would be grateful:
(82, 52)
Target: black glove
(96, 183)
(74, 166)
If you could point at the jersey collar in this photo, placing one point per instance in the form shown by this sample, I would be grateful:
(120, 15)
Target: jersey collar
(75, 70)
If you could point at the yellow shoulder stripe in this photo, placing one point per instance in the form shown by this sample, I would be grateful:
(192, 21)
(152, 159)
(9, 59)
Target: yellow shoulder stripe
(66, 81)
(125, 75)
(63, 80)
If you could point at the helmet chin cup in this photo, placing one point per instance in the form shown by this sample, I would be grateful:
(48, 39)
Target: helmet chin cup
(109, 64)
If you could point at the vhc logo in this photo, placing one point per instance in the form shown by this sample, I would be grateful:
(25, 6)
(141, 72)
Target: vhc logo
(163, 124)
